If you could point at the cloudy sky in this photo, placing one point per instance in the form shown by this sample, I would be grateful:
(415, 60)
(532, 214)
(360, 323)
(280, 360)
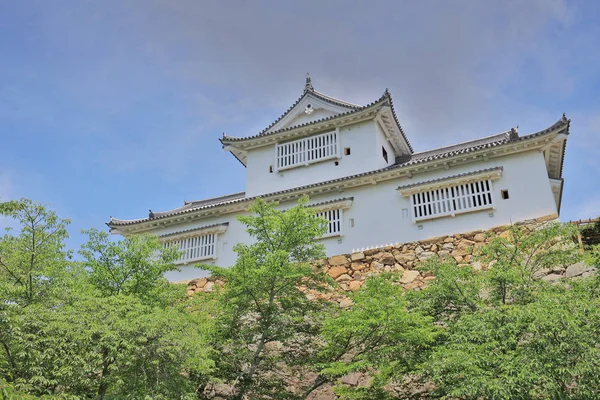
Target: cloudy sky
(113, 107)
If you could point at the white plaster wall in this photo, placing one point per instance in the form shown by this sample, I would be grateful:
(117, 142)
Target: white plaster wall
(378, 216)
(365, 156)
(382, 142)
(377, 211)
(226, 257)
(304, 118)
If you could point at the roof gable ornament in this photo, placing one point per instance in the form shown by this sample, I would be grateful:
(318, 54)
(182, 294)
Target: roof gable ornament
(308, 87)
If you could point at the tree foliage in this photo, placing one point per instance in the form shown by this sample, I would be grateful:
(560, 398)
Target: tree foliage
(110, 326)
(378, 335)
(509, 335)
(135, 265)
(93, 330)
(32, 257)
(263, 301)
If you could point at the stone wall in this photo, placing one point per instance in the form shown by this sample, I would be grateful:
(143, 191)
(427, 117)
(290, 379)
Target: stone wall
(351, 270)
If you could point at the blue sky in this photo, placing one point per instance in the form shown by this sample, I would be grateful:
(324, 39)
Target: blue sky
(114, 107)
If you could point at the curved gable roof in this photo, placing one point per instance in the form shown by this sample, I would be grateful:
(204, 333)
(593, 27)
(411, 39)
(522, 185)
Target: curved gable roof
(385, 99)
(309, 91)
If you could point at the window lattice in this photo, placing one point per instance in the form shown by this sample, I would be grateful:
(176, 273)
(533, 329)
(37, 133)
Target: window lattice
(452, 200)
(195, 248)
(334, 217)
(307, 150)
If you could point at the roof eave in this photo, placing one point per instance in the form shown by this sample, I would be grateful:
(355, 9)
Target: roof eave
(389, 96)
(408, 169)
(236, 152)
(393, 131)
(366, 112)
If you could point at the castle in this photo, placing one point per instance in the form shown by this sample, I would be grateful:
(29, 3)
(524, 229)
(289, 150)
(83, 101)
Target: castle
(358, 168)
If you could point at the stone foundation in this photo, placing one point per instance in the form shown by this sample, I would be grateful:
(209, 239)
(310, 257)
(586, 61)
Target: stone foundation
(351, 270)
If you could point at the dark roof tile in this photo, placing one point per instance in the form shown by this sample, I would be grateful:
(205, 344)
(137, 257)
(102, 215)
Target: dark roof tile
(193, 230)
(226, 138)
(416, 158)
(447, 178)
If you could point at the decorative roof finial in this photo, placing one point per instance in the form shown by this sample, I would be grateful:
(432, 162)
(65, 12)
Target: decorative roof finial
(308, 86)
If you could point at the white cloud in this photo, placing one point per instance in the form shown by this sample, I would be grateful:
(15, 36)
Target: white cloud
(445, 62)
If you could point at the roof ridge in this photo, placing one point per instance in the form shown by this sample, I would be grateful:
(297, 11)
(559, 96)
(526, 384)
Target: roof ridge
(466, 142)
(237, 194)
(307, 91)
(563, 122)
(282, 116)
(388, 94)
(265, 133)
(336, 100)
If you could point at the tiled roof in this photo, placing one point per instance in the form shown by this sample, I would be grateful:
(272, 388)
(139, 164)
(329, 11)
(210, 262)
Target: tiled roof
(415, 159)
(333, 100)
(201, 203)
(396, 119)
(229, 199)
(385, 97)
(306, 92)
(193, 230)
(448, 178)
(227, 138)
(459, 148)
(324, 203)
(220, 199)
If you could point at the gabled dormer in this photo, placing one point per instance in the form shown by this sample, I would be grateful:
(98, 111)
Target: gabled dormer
(311, 106)
(320, 138)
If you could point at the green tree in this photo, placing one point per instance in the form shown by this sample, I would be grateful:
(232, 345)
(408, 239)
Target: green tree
(527, 254)
(455, 290)
(377, 335)
(34, 268)
(544, 349)
(263, 302)
(111, 327)
(508, 334)
(109, 346)
(593, 256)
(32, 256)
(134, 265)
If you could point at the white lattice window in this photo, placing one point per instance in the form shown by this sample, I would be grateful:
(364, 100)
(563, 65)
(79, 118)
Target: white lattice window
(334, 216)
(307, 150)
(195, 248)
(452, 200)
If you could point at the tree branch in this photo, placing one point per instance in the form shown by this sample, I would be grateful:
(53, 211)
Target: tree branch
(9, 355)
